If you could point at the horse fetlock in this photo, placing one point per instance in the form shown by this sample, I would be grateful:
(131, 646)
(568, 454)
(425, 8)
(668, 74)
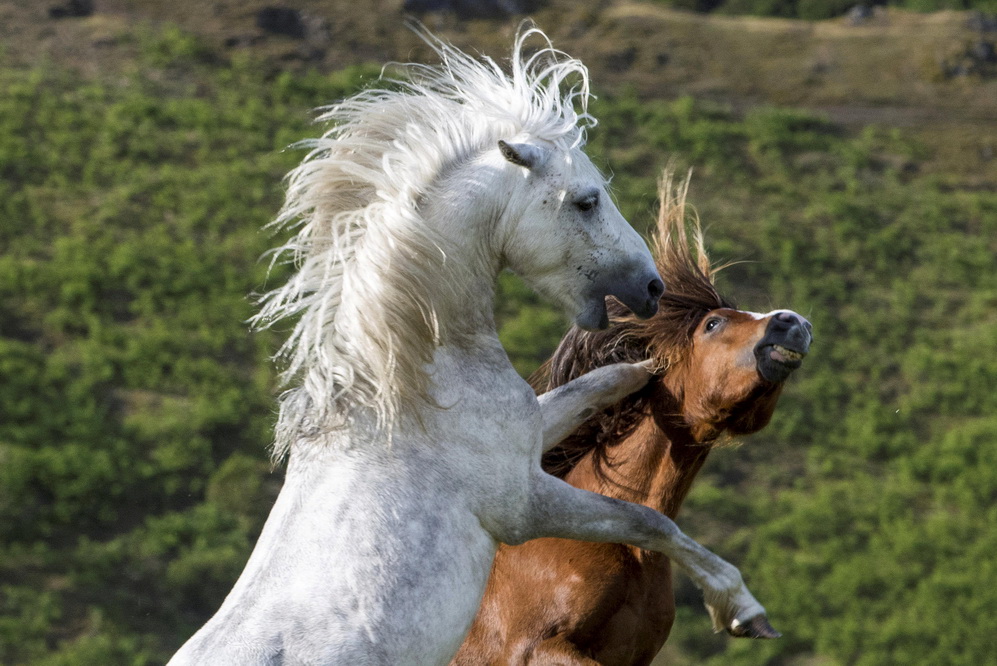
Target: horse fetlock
(746, 619)
(732, 607)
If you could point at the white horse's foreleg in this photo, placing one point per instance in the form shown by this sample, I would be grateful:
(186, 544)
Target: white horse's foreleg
(568, 406)
(560, 510)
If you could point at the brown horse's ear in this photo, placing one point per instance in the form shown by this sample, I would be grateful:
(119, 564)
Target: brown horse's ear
(520, 154)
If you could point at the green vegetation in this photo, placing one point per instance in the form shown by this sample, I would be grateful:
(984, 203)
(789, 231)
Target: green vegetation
(135, 407)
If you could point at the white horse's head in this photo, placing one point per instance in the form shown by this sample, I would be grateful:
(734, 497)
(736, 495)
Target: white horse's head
(411, 202)
(562, 233)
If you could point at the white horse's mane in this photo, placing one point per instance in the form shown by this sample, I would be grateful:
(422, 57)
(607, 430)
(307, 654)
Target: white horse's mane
(353, 207)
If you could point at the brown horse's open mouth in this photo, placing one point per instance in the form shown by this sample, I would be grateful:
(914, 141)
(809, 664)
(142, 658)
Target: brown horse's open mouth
(787, 340)
(776, 362)
(787, 356)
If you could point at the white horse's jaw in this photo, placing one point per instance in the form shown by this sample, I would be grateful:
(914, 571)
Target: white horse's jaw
(636, 284)
(594, 316)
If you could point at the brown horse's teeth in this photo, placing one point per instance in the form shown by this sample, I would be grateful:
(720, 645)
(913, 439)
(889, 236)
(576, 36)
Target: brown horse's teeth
(788, 354)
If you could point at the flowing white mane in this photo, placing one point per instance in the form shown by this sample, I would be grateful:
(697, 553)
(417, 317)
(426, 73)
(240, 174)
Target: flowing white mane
(366, 294)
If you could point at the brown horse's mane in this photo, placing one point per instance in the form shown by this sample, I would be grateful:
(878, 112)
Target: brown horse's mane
(665, 338)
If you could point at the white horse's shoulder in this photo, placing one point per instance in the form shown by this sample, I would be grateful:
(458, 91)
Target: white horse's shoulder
(480, 397)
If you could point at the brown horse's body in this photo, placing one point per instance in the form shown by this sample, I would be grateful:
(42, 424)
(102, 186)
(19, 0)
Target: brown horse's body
(555, 601)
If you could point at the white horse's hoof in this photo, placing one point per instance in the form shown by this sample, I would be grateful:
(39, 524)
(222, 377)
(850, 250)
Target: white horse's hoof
(756, 627)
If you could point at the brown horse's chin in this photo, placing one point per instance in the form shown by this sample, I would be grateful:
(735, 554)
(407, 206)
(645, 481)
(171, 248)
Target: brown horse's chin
(776, 363)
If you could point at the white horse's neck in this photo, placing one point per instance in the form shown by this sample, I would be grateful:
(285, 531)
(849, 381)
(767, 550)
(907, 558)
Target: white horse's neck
(464, 214)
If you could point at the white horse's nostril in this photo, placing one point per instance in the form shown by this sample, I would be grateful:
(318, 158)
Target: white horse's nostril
(655, 289)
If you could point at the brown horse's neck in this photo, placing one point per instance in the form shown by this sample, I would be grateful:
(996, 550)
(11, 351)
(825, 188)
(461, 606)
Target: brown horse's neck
(655, 465)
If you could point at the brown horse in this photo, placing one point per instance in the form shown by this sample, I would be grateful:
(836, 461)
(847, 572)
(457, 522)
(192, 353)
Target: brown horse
(720, 373)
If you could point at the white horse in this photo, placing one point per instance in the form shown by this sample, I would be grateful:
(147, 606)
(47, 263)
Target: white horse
(414, 446)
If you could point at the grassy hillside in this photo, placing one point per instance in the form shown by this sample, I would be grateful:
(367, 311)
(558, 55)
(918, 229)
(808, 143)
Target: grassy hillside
(894, 59)
(139, 157)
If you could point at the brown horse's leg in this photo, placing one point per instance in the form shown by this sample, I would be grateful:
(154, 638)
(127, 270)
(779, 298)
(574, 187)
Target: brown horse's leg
(558, 651)
(568, 406)
(559, 510)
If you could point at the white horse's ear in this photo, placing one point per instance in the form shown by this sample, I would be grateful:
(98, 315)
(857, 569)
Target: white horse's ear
(521, 154)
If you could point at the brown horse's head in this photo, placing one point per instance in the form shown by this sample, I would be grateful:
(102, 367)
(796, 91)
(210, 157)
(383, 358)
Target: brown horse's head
(720, 369)
(730, 375)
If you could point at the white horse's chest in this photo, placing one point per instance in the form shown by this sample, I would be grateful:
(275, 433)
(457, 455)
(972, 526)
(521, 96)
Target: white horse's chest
(378, 553)
(386, 561)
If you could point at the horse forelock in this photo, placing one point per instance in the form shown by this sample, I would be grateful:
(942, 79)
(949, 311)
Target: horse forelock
(665, 338)
(368, 299)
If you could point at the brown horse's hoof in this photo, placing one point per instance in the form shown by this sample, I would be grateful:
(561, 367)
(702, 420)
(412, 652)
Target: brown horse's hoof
(756, 627)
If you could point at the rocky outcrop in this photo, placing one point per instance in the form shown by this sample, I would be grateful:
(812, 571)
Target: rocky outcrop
(71, 9)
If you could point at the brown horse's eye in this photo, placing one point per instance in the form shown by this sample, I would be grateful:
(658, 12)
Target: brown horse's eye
(712, 323)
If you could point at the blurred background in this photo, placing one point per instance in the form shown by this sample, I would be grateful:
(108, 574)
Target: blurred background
(845, 153)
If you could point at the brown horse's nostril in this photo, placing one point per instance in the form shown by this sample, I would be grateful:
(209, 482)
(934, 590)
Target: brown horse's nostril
(791, 318)
(787, 328)
(655, 289)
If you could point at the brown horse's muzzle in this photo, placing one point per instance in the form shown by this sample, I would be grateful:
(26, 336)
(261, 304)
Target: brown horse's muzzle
(781, 350)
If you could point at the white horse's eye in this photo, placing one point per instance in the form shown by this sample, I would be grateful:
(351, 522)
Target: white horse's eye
(588, 202)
